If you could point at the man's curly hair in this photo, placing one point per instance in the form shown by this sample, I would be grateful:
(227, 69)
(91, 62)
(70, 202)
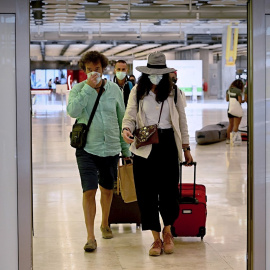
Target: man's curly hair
(94, 57)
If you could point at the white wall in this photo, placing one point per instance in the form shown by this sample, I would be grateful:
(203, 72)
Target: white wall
(8, 163)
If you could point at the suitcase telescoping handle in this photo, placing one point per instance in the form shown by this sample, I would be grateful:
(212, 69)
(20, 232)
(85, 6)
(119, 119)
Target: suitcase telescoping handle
(188, 199)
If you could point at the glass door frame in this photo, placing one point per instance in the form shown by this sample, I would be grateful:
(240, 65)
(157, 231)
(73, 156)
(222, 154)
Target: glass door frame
(256, 216)
(20, 8)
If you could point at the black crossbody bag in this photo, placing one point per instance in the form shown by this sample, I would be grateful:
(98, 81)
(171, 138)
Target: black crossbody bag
(79, 132)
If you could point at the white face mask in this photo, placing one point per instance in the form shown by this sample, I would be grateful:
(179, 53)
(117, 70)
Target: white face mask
(155, 79)
(121, 75)
(92, 73)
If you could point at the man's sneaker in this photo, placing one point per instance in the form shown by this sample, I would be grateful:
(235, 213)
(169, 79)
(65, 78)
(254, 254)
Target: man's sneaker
(91, 245)
(168, 245)
(156, 248)
(106, 232)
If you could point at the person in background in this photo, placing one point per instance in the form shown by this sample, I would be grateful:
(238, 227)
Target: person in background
(156, 167)
(56, 80)
(132, 79)
(50, 83)
(236, 90)
(97, 162)
(173, 76)
(121, 79)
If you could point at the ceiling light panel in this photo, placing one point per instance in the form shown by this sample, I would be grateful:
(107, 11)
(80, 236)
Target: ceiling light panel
(75, 49)
(138, 49)
(241, 46)
(100, 47)
(113, 2)
(53, 49)
(192, 46)
(62, 1)
(97, 11)
(211, 47)
(141, 58)
(228, 2)
(174, 2)
(119, 48)
(159, 49)
(35, 53)
(61, 6)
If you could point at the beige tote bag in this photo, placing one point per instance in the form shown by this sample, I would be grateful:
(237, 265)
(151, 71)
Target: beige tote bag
(125, 182)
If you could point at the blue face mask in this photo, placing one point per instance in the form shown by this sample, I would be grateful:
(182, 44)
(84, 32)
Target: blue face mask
(155, 79)
(92, 73)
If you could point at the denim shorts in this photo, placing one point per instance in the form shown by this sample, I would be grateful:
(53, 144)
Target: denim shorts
(95, 170)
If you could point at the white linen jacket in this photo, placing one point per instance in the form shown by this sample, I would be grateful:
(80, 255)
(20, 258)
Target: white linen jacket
(134, 118)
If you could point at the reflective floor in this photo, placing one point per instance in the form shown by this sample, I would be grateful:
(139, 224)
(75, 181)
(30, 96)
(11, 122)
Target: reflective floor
(59, 229)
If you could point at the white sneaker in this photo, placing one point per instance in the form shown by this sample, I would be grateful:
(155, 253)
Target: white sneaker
(232, 138)
(227, 141)
(237, 139)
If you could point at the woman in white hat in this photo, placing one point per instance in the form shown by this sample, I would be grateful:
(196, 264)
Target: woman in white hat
(156, 166)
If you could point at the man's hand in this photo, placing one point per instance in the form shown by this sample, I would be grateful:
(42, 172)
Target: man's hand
(92, 80)
(127, 158)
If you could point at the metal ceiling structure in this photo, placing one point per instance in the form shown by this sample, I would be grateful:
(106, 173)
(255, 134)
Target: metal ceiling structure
(61, 30)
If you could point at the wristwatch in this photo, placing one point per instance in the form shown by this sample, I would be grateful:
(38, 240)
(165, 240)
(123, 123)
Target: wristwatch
(186, 149)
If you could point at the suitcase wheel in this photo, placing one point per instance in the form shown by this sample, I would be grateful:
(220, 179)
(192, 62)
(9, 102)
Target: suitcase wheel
(201, 232)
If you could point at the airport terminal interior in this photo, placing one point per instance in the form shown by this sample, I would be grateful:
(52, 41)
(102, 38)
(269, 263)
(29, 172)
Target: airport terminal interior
(60, 32)
(59, 229)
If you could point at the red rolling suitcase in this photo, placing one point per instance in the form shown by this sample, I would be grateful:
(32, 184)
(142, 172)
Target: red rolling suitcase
(192, 209)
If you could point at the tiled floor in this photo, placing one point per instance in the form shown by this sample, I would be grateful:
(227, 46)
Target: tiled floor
(59, 230)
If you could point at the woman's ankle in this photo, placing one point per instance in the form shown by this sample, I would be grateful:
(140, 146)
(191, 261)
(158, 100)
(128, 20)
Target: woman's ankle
(167, 229)
(156, 235)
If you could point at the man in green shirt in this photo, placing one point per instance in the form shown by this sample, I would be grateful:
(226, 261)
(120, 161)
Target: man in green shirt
(97, 162)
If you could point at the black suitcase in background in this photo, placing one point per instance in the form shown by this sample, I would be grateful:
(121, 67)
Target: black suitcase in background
(122, 212)
(212, 133)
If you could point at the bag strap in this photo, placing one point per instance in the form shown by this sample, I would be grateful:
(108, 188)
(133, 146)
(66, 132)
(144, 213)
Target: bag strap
(160, 112)
(118, 173)
(95, 106)
(118, 180)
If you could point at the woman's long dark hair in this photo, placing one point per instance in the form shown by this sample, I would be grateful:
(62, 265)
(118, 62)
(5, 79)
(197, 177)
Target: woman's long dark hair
(238, 84)
(162, 90)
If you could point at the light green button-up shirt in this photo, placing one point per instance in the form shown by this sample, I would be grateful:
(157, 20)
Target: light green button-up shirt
(104, 137)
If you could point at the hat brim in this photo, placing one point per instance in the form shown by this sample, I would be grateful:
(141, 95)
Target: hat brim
(155, 71)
